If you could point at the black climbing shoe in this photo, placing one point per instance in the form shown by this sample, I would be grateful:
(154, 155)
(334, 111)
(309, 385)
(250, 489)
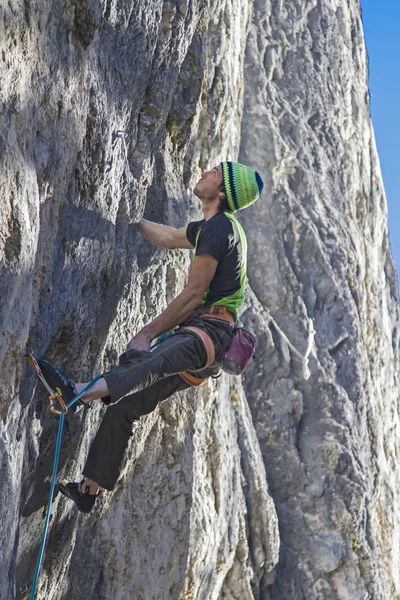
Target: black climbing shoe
(84, 502)
(61, 384)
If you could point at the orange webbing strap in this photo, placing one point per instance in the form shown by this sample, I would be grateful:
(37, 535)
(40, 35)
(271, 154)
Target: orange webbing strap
(210, 349)
(196, 381)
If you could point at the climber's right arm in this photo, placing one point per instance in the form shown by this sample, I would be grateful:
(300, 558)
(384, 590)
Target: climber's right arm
(163, 236)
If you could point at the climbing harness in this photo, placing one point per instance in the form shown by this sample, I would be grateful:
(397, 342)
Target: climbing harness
(209, 348)
(54, 399)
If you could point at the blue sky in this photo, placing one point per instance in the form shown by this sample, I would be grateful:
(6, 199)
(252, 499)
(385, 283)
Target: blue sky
(381, 19)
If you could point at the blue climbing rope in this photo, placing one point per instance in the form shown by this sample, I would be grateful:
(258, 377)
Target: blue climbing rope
(53, 483)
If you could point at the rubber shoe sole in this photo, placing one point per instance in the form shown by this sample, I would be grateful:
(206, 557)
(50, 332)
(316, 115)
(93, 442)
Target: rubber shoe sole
(83, 502)
(61, 384)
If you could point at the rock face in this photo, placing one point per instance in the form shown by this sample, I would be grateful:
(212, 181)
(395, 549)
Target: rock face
(330, 443)
(107, 113)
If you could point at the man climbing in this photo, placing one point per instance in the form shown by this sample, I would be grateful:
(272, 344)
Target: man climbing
(202, 317)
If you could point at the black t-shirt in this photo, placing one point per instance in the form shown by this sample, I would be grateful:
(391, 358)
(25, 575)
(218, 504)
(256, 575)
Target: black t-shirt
(221, 239)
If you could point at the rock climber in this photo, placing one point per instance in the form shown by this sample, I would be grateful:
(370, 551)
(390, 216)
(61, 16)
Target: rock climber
(201, 319)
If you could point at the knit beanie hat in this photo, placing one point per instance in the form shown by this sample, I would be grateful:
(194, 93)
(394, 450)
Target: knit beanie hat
(242, 185)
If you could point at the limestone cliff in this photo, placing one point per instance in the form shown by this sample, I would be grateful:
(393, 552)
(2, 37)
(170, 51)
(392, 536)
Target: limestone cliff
(330, 443)
(108, 111)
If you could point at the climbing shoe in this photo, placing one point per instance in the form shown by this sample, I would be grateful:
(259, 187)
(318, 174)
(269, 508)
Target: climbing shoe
(83, 502)
(61, 384)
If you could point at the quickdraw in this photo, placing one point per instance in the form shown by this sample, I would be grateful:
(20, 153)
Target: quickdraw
(54, 395)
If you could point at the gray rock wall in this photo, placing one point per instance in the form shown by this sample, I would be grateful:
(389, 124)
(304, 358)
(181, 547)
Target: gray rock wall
(330, 443)
(107, 114)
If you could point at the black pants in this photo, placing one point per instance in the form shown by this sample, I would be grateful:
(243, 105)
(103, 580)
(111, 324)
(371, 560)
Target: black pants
(141, 381)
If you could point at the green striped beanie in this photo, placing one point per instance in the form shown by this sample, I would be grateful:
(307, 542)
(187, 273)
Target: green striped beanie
(242, 185)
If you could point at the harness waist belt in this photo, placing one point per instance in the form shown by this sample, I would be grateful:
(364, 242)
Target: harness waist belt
(216, 312)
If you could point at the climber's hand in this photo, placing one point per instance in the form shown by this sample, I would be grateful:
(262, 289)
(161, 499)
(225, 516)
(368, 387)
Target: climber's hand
(141, 341)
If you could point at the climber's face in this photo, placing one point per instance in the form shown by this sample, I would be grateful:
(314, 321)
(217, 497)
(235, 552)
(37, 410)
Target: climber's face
(209, 185)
